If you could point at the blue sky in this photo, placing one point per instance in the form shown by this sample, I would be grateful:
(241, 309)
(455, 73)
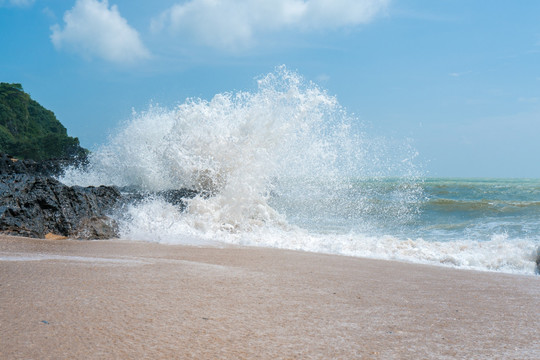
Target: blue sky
(460, 78)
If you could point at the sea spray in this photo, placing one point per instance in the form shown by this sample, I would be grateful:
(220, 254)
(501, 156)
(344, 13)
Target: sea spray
(286, 166)
(288, 140)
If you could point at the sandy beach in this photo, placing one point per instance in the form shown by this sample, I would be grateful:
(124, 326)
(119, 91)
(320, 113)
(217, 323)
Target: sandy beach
(65, 299)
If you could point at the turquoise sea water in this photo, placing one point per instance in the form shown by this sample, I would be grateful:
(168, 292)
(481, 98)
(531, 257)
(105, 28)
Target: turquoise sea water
(478, 209)
(435, 209)
(485, 224)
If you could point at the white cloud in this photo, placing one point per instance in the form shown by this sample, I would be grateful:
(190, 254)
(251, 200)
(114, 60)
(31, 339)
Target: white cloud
(92, 29)
(233, 24)
(49, 13)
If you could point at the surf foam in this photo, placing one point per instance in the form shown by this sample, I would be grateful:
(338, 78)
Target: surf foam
(281, 165)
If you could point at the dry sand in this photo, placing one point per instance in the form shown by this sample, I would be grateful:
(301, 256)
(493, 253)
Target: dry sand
(64, 299)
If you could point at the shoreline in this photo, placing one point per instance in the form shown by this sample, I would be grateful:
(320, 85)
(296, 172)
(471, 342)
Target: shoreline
(118, 298)
(209, 244)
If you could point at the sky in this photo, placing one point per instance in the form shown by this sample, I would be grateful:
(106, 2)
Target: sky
(459, 79)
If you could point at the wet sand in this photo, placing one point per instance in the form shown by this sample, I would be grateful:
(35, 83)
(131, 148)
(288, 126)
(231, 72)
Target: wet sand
(64, 299)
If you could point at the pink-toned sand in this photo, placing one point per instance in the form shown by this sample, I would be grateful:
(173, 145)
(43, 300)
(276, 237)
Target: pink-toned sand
(64, 299)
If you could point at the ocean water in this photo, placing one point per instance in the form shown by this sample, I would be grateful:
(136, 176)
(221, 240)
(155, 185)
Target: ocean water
(284, 165)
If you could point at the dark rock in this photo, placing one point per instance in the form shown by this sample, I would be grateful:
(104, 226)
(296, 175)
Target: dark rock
(537, 269)
(34, 204)
(178, 197)
(97, 227)
(53, 168)
(37, 205)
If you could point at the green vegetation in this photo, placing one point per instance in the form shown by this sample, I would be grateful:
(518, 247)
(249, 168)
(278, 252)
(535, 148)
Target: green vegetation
(29, 131)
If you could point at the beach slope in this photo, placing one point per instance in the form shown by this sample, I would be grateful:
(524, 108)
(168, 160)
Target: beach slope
(65, 299)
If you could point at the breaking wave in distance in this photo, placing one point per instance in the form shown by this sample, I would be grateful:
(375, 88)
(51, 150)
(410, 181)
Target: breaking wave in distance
(281, 166)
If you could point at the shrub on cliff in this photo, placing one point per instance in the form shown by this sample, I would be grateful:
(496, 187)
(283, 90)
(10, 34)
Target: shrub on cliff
(29, 131)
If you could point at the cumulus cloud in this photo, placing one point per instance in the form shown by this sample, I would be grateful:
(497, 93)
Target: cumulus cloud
(93, 29)
(233, 24)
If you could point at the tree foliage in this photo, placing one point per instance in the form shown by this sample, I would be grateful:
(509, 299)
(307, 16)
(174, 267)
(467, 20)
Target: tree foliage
(29, 131)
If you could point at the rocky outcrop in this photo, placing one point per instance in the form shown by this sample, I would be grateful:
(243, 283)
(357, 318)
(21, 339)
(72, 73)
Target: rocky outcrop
(10, 165)
(34, 206)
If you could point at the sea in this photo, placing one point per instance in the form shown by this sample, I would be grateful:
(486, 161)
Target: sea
(284, 165)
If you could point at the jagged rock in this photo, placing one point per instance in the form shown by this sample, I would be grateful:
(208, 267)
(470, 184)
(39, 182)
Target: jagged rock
(36, 205)
(175, 197)
(54, 167)
(178, 197)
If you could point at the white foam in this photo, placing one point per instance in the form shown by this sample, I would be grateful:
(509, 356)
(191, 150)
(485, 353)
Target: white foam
(286, 149)
(56, 257)
(167, 225)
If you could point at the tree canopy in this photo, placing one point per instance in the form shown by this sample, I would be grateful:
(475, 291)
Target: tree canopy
(29, 131)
